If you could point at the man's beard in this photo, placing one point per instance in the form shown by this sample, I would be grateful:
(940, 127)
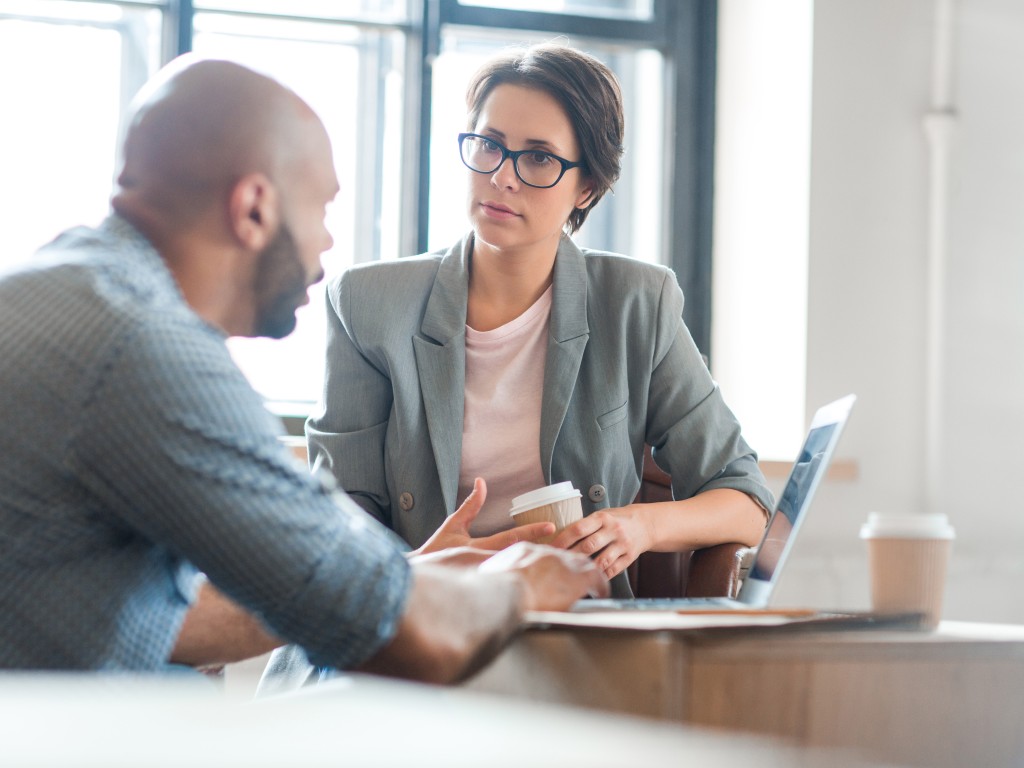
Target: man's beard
(280, 286)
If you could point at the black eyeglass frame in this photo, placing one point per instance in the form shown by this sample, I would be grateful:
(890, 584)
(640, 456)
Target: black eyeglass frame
(507, 153)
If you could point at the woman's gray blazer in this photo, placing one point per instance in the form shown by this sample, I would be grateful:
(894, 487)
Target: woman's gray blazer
(621, 370)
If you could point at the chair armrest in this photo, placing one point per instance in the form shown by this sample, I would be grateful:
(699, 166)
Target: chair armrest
(660, 574)
(718, 570)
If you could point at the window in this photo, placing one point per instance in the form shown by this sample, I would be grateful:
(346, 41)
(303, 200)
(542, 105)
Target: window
(58, 136)
(388, 79)
(620, 9)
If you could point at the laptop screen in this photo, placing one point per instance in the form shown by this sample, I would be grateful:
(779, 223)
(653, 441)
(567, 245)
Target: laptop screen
(807, 472)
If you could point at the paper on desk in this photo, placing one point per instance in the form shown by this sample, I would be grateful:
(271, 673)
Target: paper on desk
(655, 620)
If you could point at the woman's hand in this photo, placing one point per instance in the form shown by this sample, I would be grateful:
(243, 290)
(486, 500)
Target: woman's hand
(614, 538)
(454, 532)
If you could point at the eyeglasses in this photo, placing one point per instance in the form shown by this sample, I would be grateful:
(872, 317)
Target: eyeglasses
(533, 167)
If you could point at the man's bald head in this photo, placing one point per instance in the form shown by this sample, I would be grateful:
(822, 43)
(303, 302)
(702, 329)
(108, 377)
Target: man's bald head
(228, 174)
(201, 125)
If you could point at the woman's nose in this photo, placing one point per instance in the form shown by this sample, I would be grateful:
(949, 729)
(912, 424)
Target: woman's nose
(505, 175)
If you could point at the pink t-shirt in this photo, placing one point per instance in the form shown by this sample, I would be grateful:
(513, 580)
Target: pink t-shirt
(501, 421)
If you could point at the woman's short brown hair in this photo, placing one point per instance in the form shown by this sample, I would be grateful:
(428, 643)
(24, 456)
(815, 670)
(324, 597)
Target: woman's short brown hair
(587, 91)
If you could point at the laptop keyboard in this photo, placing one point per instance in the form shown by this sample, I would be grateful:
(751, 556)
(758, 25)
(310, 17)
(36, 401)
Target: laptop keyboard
(653, 604)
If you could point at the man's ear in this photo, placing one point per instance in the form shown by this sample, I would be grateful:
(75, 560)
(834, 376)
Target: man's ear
(253, 210)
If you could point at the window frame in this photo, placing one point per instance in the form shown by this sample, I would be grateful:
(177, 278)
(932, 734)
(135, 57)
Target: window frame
(684, 31)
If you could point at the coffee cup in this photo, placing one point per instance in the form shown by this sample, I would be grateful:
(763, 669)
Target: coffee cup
(559, 504)
(908, 555)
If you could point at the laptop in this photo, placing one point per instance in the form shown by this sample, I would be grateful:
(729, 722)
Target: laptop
(780, 533)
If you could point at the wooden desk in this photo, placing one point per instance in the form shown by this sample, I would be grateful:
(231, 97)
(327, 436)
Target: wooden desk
(954, 697)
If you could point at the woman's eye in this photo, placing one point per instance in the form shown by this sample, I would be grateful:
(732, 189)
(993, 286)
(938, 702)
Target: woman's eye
(539, 158)
(489, 146)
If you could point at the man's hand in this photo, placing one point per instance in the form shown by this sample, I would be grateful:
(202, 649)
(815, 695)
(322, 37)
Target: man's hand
(552, 579)
(454, 532)
(458, 618)
(466, 557)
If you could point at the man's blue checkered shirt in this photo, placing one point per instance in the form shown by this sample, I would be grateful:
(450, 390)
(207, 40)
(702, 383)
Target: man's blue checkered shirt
(134, 455)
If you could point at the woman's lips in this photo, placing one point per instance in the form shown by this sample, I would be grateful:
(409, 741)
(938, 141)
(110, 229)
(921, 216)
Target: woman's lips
(498, 211)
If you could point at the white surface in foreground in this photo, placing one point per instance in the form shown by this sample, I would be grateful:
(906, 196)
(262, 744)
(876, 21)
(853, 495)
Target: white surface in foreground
(61, 720)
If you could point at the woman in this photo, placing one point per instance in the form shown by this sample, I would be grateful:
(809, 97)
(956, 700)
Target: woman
(515, 357)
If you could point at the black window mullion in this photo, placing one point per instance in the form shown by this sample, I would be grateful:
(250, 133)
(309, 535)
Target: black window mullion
(429, 48)
(691, 146)
(178, 29)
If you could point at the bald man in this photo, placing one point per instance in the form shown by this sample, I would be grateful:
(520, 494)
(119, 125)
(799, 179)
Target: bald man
(138, 468)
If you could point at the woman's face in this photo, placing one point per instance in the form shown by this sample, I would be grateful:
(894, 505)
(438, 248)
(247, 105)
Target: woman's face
(506, 213)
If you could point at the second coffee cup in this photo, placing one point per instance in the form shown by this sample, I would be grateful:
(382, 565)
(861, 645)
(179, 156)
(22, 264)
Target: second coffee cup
(559, 504)
(908, 556)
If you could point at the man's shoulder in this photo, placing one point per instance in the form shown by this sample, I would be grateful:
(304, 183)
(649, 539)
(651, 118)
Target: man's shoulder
(110, 271)
(88, 298)
(73, 296)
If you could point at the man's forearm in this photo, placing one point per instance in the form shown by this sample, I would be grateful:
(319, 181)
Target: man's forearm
(456, 620)
(218, 631)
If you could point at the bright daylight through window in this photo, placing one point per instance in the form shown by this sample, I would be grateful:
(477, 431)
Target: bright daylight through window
(359, 64)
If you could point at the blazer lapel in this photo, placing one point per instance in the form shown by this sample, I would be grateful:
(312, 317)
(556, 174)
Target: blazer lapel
(568, 335)
(441, 366)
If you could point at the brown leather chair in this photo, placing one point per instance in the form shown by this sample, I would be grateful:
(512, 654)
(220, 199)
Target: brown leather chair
(712, 572)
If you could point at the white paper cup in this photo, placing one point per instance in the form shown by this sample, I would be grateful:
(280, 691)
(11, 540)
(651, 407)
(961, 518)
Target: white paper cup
(559, 504)
(908, 556)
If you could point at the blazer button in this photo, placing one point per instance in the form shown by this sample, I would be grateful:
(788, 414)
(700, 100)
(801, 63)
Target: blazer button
(406, 501)
(596, 493)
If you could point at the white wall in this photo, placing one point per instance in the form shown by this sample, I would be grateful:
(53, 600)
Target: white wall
(868, 293)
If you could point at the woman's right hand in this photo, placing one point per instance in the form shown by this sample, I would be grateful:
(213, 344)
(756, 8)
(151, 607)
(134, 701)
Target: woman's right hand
(454, 532)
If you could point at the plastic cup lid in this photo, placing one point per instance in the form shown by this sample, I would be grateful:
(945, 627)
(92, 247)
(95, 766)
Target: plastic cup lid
(908, 526)
(546, 495)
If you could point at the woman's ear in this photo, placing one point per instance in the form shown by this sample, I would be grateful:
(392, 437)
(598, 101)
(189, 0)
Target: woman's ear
(585, 197)
(253, 211)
